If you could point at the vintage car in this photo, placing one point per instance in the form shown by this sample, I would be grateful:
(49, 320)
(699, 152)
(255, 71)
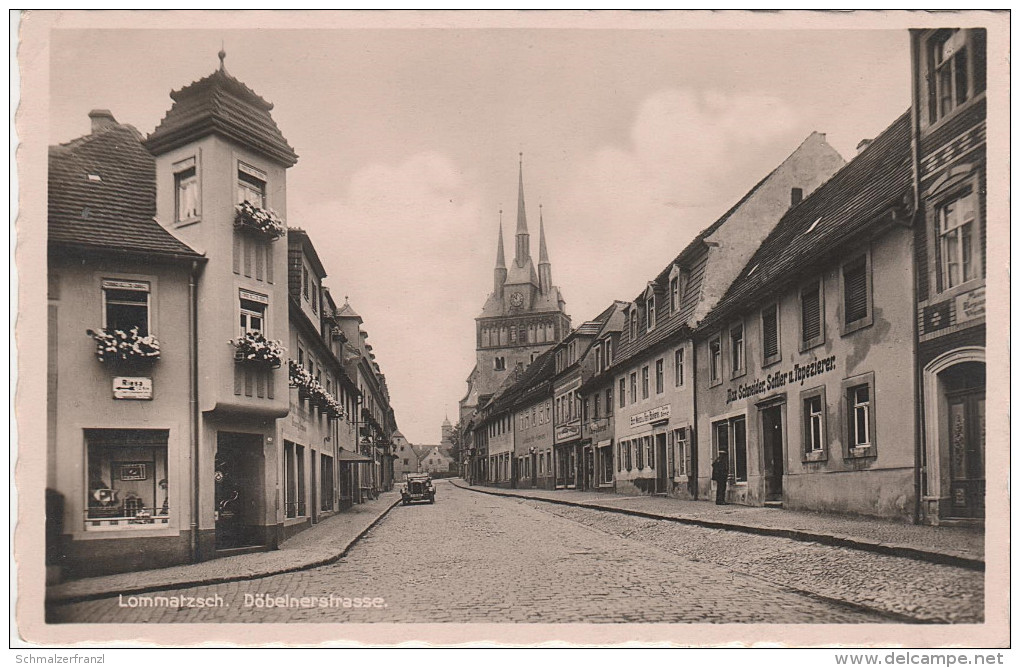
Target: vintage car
(417, 487)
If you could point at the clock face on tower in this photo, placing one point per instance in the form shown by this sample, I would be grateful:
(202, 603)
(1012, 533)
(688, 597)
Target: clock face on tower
(517, 299)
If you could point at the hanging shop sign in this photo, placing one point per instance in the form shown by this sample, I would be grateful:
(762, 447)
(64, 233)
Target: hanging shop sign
(796, 375)
(125, 387)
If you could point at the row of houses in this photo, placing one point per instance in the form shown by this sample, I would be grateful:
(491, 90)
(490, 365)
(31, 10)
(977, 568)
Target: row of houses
(207, 393)
(436, 460)
(825, 337)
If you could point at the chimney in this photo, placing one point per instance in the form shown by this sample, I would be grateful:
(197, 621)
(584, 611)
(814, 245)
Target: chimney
(863, 144)
(101, 120)
(796, 195)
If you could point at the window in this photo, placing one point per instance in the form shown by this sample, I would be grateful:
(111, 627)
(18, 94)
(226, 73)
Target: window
(678, 367)
(674, 294)
(811, 315)
(253, 312)
(650, 312)
(596, 406)
(251, 185)
(609, 401)
(633, 387)
(644, 382)
(126, 306)
(128, 482)
(856, 294)
(315, 299)
(859, 399)
(731, 442)
(633, 324)
(304, 282)
(680, 452)
(606, 460)
(957, 60)
(623, 392)
(499, 363)
(649, 454)
(715, 360)
(770, 334)
(737, 350)
(609, 353)
(814, 424)
(639, 454)
(959, 246)
(598, 358)
(659, 376)
(185, 191)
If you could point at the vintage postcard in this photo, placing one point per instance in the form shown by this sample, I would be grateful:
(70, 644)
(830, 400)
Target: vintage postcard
(512, 328)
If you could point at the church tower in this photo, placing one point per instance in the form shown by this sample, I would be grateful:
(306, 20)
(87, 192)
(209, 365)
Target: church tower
(523, 316)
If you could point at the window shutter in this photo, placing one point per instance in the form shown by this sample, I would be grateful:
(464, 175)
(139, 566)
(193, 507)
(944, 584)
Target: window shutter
(810, 315)
(770, 332)
(855, 292)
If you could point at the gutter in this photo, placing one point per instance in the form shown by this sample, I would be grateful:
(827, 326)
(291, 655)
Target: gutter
(916, 217)
(193, 400)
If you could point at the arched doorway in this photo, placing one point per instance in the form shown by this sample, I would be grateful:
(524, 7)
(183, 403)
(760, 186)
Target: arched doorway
(955, 435)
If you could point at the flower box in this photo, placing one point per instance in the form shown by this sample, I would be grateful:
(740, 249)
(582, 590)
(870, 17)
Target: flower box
(119, 346)
(266, 222)
(254, 348)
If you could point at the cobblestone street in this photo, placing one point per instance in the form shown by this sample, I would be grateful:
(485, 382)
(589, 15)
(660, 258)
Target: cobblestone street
(477, 558)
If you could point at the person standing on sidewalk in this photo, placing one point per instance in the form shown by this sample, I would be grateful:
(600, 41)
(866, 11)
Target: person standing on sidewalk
(721, 474)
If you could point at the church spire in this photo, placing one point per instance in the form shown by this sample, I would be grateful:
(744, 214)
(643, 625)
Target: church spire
(523, 252)
(500, 271)
(544, 266)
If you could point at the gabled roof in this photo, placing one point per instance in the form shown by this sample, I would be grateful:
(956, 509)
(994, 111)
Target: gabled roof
(298, 237)
(530, 382)
(102, 195)
(877, 181)
(223, 105)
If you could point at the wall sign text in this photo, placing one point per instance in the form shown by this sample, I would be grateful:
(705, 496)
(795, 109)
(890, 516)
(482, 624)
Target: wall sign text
(798, 374)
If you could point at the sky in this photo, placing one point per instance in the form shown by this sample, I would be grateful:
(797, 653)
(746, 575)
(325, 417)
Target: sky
(409, 141)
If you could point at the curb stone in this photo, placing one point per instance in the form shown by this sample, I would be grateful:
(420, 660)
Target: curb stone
(317, 561)
(947, 558)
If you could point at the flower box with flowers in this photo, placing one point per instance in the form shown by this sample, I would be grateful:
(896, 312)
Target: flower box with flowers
(300, 378)
(116, 345)
(254, 348)
(266, 222)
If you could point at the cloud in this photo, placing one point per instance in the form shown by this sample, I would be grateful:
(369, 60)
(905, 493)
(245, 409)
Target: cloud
(690, 156)
(393, 239)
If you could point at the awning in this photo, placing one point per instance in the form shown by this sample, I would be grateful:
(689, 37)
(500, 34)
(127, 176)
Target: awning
(348, 456)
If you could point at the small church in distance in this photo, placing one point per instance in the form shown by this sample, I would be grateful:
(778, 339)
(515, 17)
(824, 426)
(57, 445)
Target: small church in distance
(522, 317)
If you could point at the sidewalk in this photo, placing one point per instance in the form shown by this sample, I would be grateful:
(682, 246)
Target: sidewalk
(320, 544)
(955, 546)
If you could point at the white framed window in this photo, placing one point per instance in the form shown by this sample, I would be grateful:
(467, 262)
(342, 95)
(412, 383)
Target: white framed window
(678, 367)
(814, 434)
(633, 387)
(650, 312)
(715, 360)
(187, 203)
(959, 244)
(660, 376)
(958, 74)
(253, 308)
(680, 451)
(644, 382)
(126, 305)
(859, 398)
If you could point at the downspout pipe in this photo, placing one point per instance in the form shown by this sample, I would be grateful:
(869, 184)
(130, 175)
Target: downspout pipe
(193, 399)
(917, 218)
(695, 487)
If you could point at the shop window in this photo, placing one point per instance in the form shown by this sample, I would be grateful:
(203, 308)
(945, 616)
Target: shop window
(856, 281)
(731, 441)
(128, 480)
(811, 322)
(251, 185)
(126, 306)
(814, 429)
(770, 334)
(660, 374)
(959, 245)
(715, 361)
(678, 367)
(737, 367)
(186, 199)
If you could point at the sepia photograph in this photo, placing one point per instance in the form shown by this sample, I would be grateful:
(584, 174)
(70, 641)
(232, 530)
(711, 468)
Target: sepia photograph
(512, 328)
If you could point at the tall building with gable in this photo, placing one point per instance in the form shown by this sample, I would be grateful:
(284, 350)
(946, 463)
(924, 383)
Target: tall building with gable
(522, 317)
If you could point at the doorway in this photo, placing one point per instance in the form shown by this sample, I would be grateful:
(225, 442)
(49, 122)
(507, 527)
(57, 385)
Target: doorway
(661, 472)
(238, 477)
(772, 449)
(965, 399)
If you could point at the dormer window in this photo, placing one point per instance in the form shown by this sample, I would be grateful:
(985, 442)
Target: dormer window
(251, 185)
(677, 285)
(650, 312)
(633, 324)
